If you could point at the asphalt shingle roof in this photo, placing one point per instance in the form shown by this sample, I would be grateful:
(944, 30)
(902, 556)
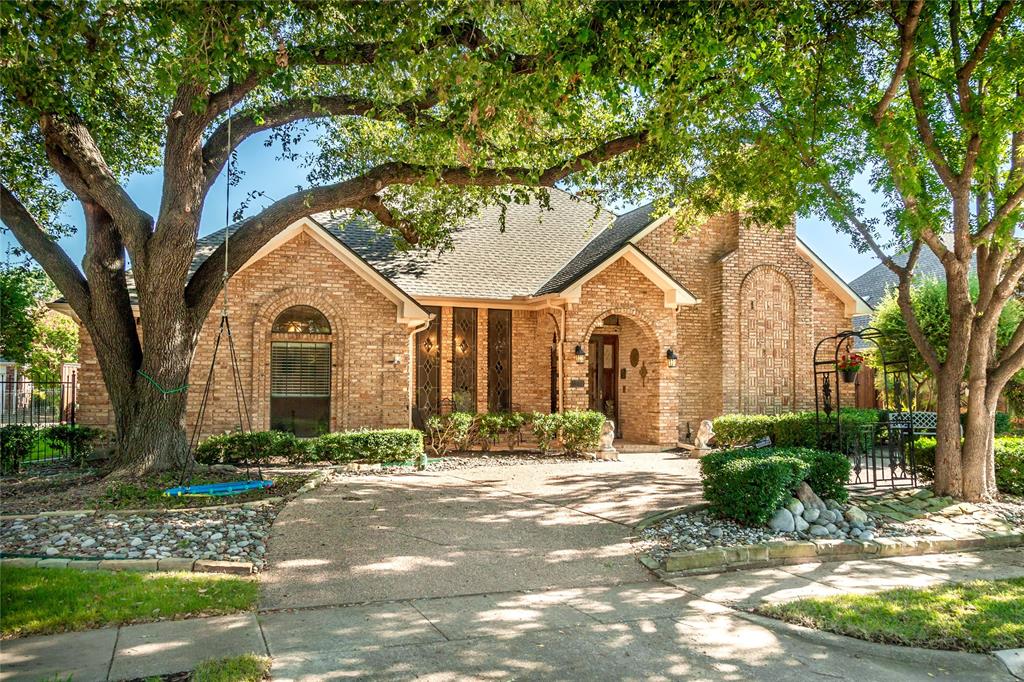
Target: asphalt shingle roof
(485, 262)
(624, 228)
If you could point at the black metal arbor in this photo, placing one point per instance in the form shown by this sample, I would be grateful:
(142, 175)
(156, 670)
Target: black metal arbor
(881, 452)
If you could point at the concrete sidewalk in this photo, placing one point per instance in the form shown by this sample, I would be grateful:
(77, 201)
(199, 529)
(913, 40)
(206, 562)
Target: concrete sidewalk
(692, 629)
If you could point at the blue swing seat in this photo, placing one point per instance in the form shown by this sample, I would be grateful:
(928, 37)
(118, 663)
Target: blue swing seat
(217, 489)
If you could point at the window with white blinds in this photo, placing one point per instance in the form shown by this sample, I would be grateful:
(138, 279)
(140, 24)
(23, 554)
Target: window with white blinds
(300, 370)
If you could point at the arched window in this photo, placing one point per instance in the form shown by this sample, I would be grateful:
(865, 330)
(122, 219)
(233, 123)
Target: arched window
(300, 373)
(301, 319)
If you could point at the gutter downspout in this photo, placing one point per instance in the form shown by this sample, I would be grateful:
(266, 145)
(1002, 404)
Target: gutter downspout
(411, 348)
(561, 354)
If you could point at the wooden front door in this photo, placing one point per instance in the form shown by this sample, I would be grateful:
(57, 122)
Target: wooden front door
(603, 360)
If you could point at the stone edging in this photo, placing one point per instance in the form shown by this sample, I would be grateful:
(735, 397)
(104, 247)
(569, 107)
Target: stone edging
(652, 519)
(712, 559)
(170, 564)
(315, 480)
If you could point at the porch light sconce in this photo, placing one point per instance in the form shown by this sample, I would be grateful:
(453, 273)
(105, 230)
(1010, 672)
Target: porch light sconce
(581, 356)
(672, 358)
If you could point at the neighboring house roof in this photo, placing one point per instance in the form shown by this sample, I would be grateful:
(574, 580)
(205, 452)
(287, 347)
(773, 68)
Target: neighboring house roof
(875, 283)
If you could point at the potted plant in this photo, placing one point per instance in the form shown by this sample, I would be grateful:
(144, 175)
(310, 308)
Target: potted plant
(849, 364)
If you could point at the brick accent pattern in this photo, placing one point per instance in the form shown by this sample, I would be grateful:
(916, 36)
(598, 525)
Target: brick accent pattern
(767, 360)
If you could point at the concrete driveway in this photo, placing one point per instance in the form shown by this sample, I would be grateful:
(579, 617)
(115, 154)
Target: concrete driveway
(472, 531)
(526, 572)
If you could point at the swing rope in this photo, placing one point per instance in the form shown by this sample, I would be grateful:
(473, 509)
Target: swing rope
(160, 388)
(244, 419)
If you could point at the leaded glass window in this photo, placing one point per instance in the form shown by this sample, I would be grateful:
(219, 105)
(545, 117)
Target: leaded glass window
(464, 359)
(499, 360)
(428, 366)
(301, 319)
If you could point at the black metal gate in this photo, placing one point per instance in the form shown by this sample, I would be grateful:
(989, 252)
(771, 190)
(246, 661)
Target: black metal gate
(881, 453)
(40, 404)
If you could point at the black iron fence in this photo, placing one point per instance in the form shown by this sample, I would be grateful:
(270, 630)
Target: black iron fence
(40, 405)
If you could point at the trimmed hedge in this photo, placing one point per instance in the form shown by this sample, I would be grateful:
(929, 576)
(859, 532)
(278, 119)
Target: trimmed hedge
(380, 446)
(578, 431)
(750, 489)
(788, 429)
(1009, 456)
(732, 489)
(254, 448)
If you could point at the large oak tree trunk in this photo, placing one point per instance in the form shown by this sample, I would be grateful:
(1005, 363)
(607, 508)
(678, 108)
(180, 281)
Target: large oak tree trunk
(948, 466)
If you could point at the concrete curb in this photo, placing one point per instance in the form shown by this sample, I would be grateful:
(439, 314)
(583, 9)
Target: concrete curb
(781, 552)
(1013, 659)
(931, 658)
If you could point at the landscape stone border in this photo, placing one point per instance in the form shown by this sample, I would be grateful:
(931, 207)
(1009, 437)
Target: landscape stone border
(144, 565)
(170, 564)
(781, 552)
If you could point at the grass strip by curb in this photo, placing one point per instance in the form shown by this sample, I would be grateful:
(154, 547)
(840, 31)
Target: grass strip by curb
(978, 616)
(36, 601)
(246, 668)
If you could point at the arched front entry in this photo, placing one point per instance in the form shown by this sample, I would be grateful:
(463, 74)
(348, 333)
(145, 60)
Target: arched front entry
(627, 377)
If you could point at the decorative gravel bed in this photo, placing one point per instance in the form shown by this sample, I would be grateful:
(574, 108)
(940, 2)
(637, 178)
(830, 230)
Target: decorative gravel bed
(699, 529)
(220, 534)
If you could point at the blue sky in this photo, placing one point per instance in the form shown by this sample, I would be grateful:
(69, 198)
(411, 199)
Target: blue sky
(264, 173)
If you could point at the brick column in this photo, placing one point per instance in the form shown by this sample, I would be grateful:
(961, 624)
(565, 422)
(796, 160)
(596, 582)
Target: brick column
(446, 353)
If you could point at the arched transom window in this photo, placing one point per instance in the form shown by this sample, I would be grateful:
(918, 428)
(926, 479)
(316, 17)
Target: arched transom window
(301, 319)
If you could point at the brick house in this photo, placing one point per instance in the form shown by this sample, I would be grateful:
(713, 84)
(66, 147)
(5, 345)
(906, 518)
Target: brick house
(567, 308)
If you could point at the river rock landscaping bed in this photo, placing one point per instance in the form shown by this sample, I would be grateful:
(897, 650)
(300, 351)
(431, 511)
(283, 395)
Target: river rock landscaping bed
(700, 530)
(237, 534)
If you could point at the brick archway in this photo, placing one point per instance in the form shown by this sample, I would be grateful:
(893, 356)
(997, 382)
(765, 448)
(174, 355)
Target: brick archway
(646, 399)
(261, 340)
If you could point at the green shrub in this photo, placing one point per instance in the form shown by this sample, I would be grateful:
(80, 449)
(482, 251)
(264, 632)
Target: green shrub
(545, 429)
(252, 449)
(1009, 456)
(16, 442)
(826, 472)
(790, 429)
(380, 446)
(924, 458)
(73, 439)
(490, 427)
(513, 425)
(741, 429)
(750, 489)
(1010, 466)
(1003, 423)
(454, 431)
(580, 430)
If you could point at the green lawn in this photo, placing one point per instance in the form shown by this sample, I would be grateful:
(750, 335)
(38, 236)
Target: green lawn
(248, 668)
(37, 601)
(983, 615)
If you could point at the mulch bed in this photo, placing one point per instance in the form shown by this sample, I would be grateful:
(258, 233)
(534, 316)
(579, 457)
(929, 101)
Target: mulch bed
(87, 490)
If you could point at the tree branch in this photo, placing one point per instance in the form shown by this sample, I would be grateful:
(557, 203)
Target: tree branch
(84, 170)
(375, 205)
(963, 74)
(44, 250)
(908, 27)
(906, 307)
(924, 130)
(252, 233)
(244, 124)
